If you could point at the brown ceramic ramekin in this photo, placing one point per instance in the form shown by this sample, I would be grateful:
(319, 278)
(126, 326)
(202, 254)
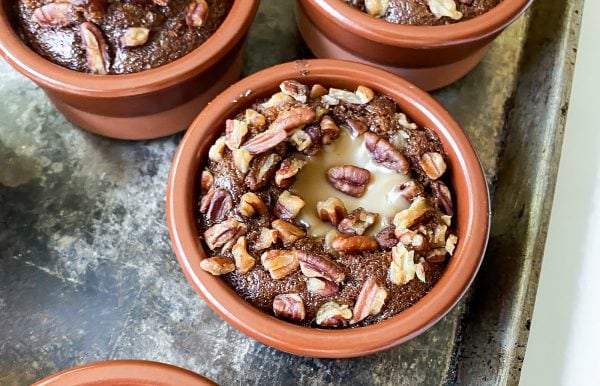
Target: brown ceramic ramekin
(144, 105)
(429, 56)
(125, 373)
(468, 182)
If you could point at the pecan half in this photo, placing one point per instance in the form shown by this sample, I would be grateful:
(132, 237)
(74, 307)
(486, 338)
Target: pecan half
(433, 165)
(265, 141)
(206, 181)
(315, 265)
(354, 244)
(285, 176)
(266, 238)
(408, 217)
(296, 90)
(293, 119)
(197, 13)
(56, 14)
(289, 306)
(287, 232)
(288, 206)
(329, 130)
(135, 36)
(357, 222)
(221, 233)
(216, 204)
(262, 169)
(384, 153)
(331, 210)
(331, 314)
(376, 8)
(218, 265)
(235, 132)
(386, 238)
(321, 287)
(442, 198)
(349, 179)
(98, 60)
(370, 300)
(250, 204)
(243, 260)
(280, 263)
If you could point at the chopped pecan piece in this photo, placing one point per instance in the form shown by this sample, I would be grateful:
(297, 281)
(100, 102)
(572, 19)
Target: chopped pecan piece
(328, 241)
(296, 90)
(287, 232)
(95, 47)
(55, 14)
(221, 233)
(439, 235)
(336, 95)
(93, 10)
(409, 190)
(386, 238)
(250, 204)
(442, 197)
(285, 176)
(206, 181)
(365, 94)
(292, 119)
(331, 210)
(254, 118)
(289, 306)
(437, 255)
(317, 91)
(357, 127)
(243, 260)
(266, 238)
(331, 314)
(451, 244)
(262, 169)
(277, 100)
(218, 265)
(441, 8)
(135, 36)
(408, 217)
(265, 141)
(280, 263)
(301, 140)
(315, 265)
(370, 300)
(433, 165)
(403, 268)
(215, 153)
(241, 160)
(416, 241)
(349, 179)
(329, 130)
(288, 206)
(321, 287)
(216, 204)
(235, 132)
(376, 8)
(162, 3)
(354, 244)
(357, 222)
(384, 153)
(197, 13)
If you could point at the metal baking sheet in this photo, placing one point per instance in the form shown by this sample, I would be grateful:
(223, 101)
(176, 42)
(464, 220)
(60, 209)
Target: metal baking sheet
(87, 272)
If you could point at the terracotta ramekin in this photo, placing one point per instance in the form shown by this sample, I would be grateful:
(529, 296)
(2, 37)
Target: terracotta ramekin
(429, 56)
(468, 181)
(144, 105)
(125, 373)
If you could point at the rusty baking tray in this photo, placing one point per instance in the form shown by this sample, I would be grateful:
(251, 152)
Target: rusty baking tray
(77, 229)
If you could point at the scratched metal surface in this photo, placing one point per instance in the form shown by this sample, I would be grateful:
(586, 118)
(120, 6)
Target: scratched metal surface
(87, 272)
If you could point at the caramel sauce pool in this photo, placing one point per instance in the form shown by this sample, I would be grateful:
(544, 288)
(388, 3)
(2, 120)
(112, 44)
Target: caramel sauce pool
(312, 186)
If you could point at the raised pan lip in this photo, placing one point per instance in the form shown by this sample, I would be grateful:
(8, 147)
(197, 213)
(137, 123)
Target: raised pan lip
(417, 36)
(53, 76)
(126, 370)
(311, 341)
